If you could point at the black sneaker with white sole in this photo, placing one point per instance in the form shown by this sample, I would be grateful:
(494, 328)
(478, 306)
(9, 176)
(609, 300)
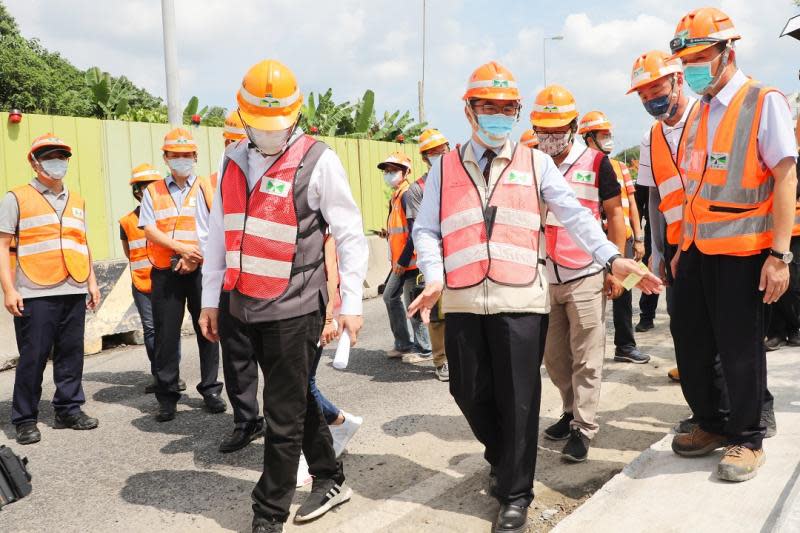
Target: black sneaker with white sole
(559, 430)
(325, 495)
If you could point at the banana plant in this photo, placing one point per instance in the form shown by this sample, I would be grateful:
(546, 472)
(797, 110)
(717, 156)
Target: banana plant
(110, 97)
(190, 113)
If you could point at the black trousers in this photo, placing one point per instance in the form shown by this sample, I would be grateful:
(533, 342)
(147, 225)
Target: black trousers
(49, 324)
(718, 309)
(239, 365)
(172, 294)
(495, 379)
(785, 313)
(286, 350)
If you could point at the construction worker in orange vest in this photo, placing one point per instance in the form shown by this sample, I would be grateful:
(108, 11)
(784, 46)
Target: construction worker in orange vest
(134, 245)
(529, 138)
(579, 285)
(738, 165)
(596, 131)
(277, 196)
(411, 340)
(432, 145)
(46, 279)
(479, 233)
(174, 216)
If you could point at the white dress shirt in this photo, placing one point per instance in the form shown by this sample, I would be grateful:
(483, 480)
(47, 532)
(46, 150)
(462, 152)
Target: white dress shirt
(329, 193)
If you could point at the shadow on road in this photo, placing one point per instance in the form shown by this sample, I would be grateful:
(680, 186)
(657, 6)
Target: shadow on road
(446, 427)
(373, 364)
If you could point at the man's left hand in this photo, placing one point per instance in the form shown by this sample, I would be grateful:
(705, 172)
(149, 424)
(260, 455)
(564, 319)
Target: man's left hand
(638, 250)
(94, 295)
(774, 279)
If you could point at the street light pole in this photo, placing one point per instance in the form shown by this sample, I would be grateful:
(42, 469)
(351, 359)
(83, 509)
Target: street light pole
(544, 53)
(421, 87)
(171, 63)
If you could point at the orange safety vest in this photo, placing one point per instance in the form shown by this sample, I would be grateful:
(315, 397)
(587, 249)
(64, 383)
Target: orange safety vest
(584, 178)
(625, 182)
(180, 225)
(50, 249)
(499, 241)
(137, 252)
(668, 179)
(729, 188)
(397, 226)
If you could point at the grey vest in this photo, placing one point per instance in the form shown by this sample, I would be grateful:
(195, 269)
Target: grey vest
(307, 291)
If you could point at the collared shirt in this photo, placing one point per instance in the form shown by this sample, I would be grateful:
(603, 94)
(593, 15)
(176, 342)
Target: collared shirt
(328, 192)
(673, 136)
(147, 216)
(556, 193)
(9, 222)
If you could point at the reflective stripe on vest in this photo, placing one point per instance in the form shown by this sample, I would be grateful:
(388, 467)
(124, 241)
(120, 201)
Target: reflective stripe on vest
(499, 242)
(729, 188)
(583, 177)
(181, 226)
(397, 226)
(137, 253)
(48, 249)
(624, 180)
(261, 229)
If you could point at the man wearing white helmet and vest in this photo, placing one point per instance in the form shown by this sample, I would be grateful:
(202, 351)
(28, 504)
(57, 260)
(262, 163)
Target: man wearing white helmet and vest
(479, 233)
(578, 282)
(276, 197)
(738, 166)
(46, 274)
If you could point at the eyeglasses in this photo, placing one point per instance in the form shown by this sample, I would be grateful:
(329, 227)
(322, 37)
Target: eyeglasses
(492, 109)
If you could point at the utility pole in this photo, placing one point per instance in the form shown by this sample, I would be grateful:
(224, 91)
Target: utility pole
(174, 111)
(421, 84)
(544, 54)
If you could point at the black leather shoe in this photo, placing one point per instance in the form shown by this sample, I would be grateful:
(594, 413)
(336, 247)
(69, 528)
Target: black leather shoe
(28, 433)
(644, 325)
(559, 430)
(215, 403)
(267, 526)
(511, 519)
(166, 412)
(774, 343)
(152, 386)
(242, 436)
(794, 338)
(79, 420)
(576, 450)
(631, 356)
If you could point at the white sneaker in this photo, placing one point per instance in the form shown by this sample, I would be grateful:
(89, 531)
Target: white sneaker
(344, 432)
(303, 477)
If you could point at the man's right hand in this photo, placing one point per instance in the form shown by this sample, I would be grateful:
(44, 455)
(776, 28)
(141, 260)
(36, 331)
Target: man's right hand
(189, 252)
(673, 264)
(14, 303)
(425, 301)
(209, 321)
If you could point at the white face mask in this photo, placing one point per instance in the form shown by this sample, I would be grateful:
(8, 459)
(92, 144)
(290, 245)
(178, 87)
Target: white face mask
(554, 144)
(55, 168)
(393, 179)
(181, 166)
(269, 142)
(606, 144)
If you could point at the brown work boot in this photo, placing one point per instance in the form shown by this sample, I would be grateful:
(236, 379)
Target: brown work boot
(697, 442)
(674, 375)
(740, 463)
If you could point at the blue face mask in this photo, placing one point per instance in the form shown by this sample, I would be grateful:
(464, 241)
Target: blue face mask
(493, 130)
(658, 106)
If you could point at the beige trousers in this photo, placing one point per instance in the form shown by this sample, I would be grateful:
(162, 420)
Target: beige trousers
(575, 348)
(436, 332)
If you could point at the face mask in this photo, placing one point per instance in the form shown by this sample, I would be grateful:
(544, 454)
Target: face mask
(55, 168)
(393, 179)
(554, 144)
(606, 145)
(659, 107)
(268, 142)
(699, 77)
(493, 130)
(181, 166)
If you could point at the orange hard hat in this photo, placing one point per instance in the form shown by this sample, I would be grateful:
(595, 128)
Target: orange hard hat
(593, 121)
(47, 143)
(269, 98)
(179, 140)
(144, 173)
(529, 139)
(396, 158)
(233, 129)
(430, 139)
(492, 81)
(652, 66)
(701, 29)
(554, 107)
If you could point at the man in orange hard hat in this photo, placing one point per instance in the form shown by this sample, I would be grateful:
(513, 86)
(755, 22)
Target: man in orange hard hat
(174, 216)
(479, 232)
(412, 344)
(596, 131)
(738, 165)
(277, 197)
(46, 274)
(529, 138)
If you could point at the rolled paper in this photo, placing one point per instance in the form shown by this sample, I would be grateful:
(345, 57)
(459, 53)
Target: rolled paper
(342, 356)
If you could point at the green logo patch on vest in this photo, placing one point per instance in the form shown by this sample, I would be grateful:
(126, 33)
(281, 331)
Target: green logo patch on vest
(516, 177)
(276, 187)
(583, 176)
(718, 160)
(77, 212)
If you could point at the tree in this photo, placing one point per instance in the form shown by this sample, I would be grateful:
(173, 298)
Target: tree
(631, 157)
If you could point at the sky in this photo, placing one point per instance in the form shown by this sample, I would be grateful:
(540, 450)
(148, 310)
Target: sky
(354, 45)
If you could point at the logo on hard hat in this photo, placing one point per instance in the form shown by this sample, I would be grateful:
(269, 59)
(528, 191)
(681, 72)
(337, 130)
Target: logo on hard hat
(500, 83)
(551, 109)
(270, 102)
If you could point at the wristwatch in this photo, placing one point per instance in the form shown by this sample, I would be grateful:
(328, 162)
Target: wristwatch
(610, 262)
(786, 257)
(639, 239)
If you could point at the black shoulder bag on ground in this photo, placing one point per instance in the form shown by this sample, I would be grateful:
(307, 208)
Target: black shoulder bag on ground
(15, 480)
